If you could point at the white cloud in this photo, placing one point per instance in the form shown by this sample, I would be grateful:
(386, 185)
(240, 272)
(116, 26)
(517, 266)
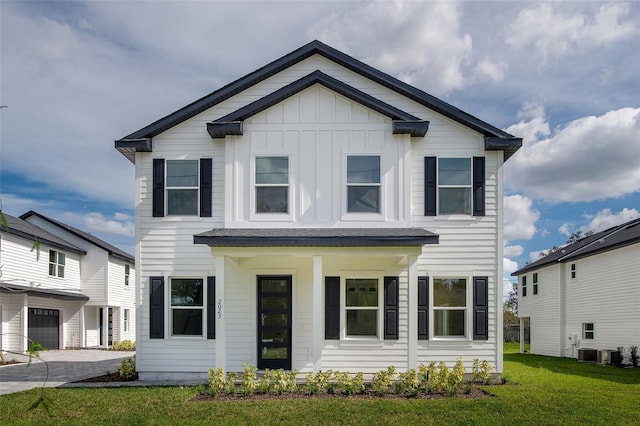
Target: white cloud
(492, 70)
(553, 31)
(519, 218)
(606, 219)
(509, 266)
(565, 229)
(513, 251)
(420, 42)
(536, 255)
(590, 158)
(97, 223)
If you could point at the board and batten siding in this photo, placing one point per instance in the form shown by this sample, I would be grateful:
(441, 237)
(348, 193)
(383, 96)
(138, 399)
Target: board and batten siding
(333, 127)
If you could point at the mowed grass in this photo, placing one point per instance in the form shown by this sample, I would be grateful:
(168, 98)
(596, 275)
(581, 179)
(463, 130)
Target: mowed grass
(539, 390)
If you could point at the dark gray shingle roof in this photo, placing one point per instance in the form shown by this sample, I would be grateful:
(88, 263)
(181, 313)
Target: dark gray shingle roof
(22, 228)
(609, 239)
(316, 237)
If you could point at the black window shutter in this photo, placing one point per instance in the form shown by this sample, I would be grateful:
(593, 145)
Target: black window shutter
(480, 308)
(158, 187)
(423, 308)
(156, 313)
(332, 308)
(206, 186)
(430, 186)
(391, 302)
(211, 307)
(478, 186)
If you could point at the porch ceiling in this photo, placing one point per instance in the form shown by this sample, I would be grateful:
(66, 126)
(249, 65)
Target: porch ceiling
(317, 237)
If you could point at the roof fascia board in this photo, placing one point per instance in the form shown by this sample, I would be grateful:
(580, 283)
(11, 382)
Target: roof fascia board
(230, 122)
(284, 241)
(509, 145)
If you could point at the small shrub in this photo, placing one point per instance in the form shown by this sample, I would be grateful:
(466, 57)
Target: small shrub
(230, 383)
(618, 356)
(127, 369)
(381, 381)
(217, 381)
(125, 345)
(319, 382)
(454, 377)
(633, 351)
(278, 381)
(348, 384)
(248, 379)
(432, 378)
(481, 371)
(408, 382)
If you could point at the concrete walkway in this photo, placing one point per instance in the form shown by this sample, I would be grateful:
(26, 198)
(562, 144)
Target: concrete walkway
(58, 367)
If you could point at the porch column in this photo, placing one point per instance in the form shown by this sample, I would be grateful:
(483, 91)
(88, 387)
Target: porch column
(221, 335)
(105, 327)
(318, 303)
(24, 324)
(81, 329)
(521, 335)
(412, 326)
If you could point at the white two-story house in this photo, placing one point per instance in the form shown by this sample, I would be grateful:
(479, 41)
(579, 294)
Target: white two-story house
(317, 214)
(62, 287)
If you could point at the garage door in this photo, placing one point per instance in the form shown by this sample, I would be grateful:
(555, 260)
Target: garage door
(44, 327)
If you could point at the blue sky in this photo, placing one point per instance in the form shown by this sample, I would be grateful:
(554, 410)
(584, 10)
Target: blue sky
(565, 76)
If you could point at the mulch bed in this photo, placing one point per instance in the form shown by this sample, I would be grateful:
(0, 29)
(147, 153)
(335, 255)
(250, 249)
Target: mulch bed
(110, 377)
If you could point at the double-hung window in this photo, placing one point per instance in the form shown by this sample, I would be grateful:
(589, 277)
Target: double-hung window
(56, 263)
(187, 306)
(127, 273)
(524, 286)
(449, 307)
(454, 186)
(363, 184)
(361, 305)
(126, 320)
(272, 184)
(588, 330)
(182, 185)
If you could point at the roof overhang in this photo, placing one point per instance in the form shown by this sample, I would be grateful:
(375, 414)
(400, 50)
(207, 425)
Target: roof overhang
(508, 145)
(403, 122)
(317, 237)
(40, 292)
(129, 147)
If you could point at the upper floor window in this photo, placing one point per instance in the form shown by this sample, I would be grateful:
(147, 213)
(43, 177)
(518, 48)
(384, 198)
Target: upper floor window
(272, 184)
(187, 306)
(182, 185)
(454, 186)
(127, 272)
(56, 263)
(535, 277)
(363, 184)
(524, 286)
(361, 303)
(449, 307)
(573, 270)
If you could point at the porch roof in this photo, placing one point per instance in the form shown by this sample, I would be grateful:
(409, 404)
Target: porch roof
(42, 292)
(316, 237)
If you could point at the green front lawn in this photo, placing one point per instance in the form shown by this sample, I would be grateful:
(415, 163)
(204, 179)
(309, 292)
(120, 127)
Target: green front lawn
(539, 390)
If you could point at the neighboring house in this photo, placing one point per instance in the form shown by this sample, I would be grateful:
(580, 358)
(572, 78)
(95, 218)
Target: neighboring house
(583, 301)
(317, 214)
(71, 290)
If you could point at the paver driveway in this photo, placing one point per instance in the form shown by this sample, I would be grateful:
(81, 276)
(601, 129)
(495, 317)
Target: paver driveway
(54, 368)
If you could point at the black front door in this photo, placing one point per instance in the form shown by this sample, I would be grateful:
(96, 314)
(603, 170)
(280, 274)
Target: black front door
(274, 322)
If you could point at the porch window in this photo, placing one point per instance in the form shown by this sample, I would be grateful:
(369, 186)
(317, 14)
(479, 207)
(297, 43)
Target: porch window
(187, 306)
(272, 184)
(361, 304)
(363, 184)
(454, 186)
(57, 262)
(182, 187)
(450, 307)
(587, 330)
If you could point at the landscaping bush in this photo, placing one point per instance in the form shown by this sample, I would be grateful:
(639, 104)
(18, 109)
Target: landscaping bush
(127, 369)
(633, 351)
(125, 345)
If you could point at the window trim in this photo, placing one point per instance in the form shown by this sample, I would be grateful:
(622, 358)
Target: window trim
(58, 272)
(468, 309)
(363, 216)
(468, 186)
(349, 275)
(573, 271)
(203, 308)
(524, 286)
(125, 320)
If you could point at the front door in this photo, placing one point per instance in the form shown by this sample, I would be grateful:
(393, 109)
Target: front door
(274, 322)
